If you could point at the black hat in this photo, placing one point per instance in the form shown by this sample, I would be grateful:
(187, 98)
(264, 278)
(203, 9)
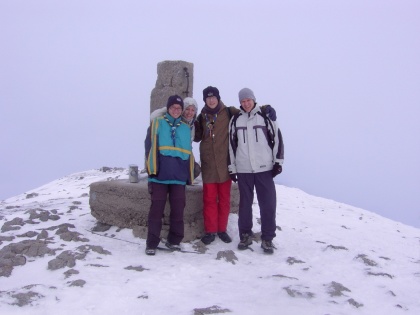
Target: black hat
(175, 99)
(211, 91)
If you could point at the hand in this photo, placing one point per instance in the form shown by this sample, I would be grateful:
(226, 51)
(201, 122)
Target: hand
(270, 112)
(277, 169)
(233, 177)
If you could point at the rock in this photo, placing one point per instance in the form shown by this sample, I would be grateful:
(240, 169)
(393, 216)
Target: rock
(14, 224)
(126, 205)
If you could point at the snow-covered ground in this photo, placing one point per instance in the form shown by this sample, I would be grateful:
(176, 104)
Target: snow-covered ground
(331, 258)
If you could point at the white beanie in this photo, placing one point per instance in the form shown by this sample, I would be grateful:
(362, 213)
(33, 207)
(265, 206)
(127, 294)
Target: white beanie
(189, 101)
(246, 93)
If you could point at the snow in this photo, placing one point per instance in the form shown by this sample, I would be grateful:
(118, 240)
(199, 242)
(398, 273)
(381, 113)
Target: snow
(331, 258)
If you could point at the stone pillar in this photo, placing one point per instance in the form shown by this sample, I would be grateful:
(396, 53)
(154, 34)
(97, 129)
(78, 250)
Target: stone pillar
(173, 77)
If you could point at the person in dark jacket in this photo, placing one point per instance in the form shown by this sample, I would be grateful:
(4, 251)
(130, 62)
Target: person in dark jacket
(256, 154)
(211, 129)
(170, 167)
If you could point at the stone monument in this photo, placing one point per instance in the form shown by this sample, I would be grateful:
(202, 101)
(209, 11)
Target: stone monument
(173, 77)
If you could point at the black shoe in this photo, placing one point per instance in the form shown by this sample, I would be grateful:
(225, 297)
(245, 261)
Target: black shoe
(246, 240)
(208, 238)
(173, 246)
(150, 251)
(267, 246)
(224, 237)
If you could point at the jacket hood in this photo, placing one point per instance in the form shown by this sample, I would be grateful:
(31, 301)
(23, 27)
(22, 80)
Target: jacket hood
(158, 113)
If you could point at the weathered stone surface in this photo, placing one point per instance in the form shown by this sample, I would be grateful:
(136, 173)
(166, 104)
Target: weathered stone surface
(126, 205)
(77, 283)
(65, 259)
(14, 224)
(14, 254)
(174, 77)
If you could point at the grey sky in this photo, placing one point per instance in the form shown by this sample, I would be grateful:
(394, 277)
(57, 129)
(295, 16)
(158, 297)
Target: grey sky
(344, 77)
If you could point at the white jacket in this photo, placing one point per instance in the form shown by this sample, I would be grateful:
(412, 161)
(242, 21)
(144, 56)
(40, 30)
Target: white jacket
(249, 149)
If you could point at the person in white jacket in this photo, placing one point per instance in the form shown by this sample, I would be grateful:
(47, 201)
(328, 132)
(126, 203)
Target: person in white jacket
(256, 153)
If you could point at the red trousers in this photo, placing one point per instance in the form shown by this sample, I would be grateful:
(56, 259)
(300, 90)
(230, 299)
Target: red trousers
(216, 206)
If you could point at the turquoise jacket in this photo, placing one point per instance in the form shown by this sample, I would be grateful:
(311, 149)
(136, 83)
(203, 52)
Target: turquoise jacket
(169, 151)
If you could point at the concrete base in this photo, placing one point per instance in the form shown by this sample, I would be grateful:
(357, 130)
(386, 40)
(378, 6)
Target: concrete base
(126, 205)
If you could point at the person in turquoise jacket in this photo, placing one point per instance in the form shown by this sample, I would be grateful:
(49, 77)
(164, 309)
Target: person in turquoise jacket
(170, 167)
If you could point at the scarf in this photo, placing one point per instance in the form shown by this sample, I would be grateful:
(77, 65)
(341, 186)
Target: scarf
(175, 123)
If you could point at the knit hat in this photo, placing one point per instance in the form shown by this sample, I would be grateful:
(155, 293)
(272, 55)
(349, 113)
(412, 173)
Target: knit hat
(246, 93)
(174, 99)
(189, 101)
(211, 91)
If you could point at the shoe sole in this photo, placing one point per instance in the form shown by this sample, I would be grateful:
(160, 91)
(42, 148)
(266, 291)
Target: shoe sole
(224, 239)
(207, 243)
(243, 247)
(268, 250)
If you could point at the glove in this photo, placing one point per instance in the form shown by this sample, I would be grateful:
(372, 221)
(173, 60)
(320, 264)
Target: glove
(277, 169)
(233, 177)
(270, 112)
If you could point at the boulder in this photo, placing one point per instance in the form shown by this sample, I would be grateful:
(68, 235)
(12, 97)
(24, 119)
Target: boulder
(126, 205)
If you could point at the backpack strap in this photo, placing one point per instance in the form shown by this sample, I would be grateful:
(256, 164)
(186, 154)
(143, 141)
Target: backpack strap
(270, 131)
(234, 133)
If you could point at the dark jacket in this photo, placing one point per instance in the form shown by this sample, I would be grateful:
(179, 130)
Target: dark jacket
(214, 145)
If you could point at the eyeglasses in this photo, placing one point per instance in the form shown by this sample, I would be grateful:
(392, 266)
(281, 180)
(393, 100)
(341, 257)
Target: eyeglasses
(177, 108)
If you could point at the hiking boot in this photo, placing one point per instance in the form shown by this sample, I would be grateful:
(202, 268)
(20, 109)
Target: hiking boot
(224, 237)
(267, 246)
(208, 238)
(246, 240)
(173, 246)
(150, 251)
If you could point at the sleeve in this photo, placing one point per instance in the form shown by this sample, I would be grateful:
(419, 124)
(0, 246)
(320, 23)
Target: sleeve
(147, 143)
(278, 149)
(198, 129)
(233, 144)
(269, 111)
(152, 152)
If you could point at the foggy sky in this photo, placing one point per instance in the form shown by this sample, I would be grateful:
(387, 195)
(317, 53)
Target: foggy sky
(344, 77)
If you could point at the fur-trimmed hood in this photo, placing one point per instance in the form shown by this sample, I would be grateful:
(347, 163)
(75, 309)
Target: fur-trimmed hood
(158, 113)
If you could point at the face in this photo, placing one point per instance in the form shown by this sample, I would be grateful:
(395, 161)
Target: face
(189, 112)
(212, 101)
(175, 110)
(247, 104)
